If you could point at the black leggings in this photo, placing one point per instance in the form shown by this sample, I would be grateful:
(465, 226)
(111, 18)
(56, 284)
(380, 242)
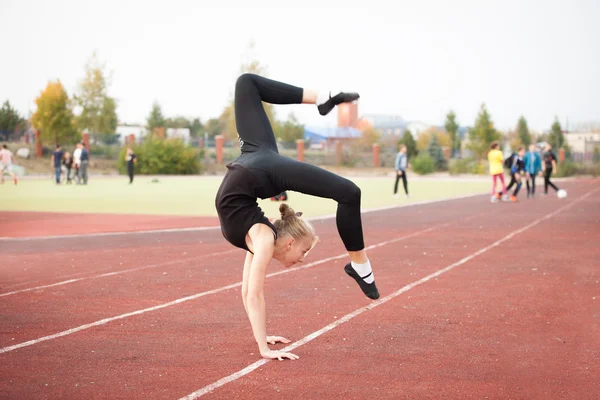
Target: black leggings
(130, 172)
(403, 177)
(514, 181)
(547, 175)
(256, 135)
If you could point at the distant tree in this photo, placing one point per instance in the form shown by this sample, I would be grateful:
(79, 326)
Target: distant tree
(436, 153)
(97, 112)
(556, 137)
(53, 117)
(196, 128)
(227, 117)
(523, 131)
(451, 127)
(482, 134)
(156, 118)
(411, 145)
(289, 131)
(424, 138)
(9, 117)
(214, 127)
(178, 122)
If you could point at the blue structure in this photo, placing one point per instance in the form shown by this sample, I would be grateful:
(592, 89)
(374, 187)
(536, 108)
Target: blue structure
(387, 124)
(317, 134)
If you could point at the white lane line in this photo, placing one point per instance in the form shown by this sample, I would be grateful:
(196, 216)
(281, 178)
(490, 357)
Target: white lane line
(115, 273)
(198, 295)
(236, 375)
(416, 203)
(66, 282)
(84, 235)
(206, 228)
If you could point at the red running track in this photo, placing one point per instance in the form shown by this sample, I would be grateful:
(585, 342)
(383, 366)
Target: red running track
(26, 224)
(519, 320)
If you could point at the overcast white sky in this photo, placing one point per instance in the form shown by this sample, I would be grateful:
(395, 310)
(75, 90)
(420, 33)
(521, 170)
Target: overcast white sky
(417, 59)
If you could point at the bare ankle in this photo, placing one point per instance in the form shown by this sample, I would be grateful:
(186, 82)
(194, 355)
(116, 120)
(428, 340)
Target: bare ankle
(358, 257)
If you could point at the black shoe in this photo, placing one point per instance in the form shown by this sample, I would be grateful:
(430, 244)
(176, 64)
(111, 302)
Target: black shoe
(369, 289)
(339, 98)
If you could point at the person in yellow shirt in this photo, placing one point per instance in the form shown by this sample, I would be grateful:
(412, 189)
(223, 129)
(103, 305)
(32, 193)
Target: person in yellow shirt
(496, 160)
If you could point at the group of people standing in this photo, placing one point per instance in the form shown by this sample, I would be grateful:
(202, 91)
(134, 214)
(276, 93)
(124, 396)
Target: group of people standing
(78, 163)
(521, 165)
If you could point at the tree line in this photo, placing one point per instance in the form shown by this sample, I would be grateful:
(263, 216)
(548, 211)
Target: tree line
(61, 118)
(428, 152)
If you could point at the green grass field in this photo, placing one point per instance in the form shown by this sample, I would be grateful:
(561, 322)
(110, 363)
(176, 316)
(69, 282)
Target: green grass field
(195, 195)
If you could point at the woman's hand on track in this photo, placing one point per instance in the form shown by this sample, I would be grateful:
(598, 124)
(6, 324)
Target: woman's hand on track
(280, 355)
(277, 339)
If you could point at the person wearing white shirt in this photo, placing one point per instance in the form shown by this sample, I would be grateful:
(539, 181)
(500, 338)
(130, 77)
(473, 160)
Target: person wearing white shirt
(77, 163)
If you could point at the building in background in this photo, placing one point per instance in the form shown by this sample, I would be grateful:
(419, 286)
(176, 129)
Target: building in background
(324, 137)
(181, 133)
(350, 126)
(582, 142)
(138, 132)
(386, 124)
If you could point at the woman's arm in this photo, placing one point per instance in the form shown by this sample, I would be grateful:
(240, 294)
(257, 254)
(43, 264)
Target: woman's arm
(246, 274)
(263, 245)
(255, 297)
(247, 263)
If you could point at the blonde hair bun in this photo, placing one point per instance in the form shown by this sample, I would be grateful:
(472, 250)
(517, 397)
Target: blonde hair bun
(290, 223)
(287, 212)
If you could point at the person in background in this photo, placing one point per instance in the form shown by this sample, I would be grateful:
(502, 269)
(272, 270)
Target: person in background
(401, 164)
(84, 164)
(533, 166)
(495, 159)
(516, 163)
(6, 162)
(68, 163)
(283, 196)
(77, 163)
(57, 157)
(131, 159)
(548, 167)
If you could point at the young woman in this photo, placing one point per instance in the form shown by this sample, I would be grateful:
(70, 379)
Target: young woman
(495, 158)
(516, 170)
(261, 172)
(401, 164)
